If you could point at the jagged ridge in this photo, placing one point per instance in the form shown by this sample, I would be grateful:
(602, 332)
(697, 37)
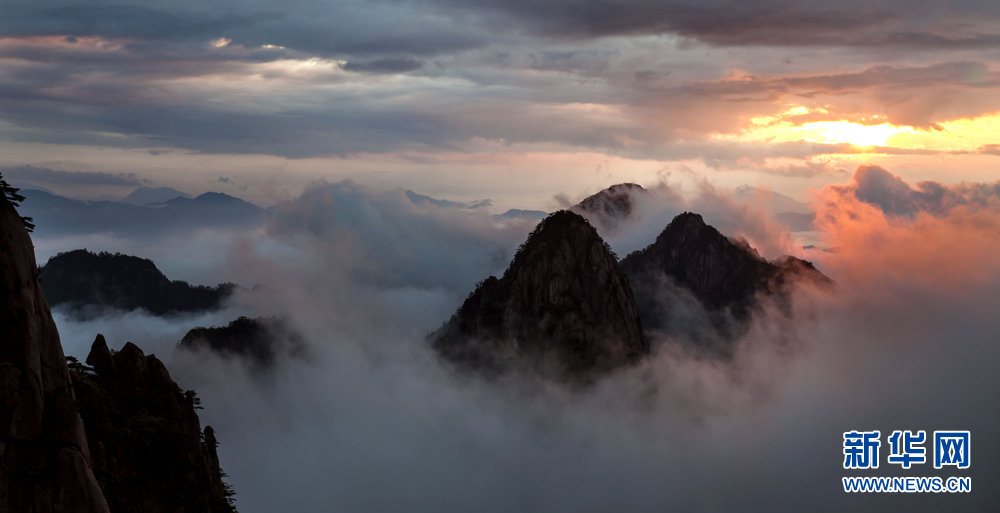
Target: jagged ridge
(149, 452)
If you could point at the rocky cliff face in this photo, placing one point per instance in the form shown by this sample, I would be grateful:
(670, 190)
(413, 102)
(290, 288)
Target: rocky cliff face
(87, 283)
(45, 464)
(149, 452)
(119, 439)
(564, 307)
(725, 275)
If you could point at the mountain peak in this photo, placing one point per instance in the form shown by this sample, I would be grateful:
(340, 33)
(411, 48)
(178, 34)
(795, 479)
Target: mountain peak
(563, 307)
(610, 206)
(145, 195)
(726, 275)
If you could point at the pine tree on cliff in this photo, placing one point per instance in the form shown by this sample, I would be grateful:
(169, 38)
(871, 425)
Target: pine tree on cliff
(12, 195)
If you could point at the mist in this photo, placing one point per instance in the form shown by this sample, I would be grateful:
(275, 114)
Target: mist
(374, 421)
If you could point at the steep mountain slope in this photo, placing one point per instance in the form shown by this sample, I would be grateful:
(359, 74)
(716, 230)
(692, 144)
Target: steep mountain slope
(726, 276)
(87, 283)
(149, 451)
(45, 462)
(563, 307)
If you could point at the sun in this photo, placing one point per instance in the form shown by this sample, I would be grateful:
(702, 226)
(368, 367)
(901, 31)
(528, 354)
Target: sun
(834, 132)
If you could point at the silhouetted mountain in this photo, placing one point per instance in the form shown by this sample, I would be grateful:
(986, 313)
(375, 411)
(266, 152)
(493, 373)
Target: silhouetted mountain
(87, 283)
(608, 208)
(420, 199)
(56, 215)
(149, 451)
(260, 340)
(144, 195)
(563, 307)
(31, 187)
(773, 202)
(515, 213)
(797, 222)
(726, 276)
(123, 440)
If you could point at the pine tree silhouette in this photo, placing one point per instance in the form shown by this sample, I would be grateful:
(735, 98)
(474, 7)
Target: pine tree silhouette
(11, 193)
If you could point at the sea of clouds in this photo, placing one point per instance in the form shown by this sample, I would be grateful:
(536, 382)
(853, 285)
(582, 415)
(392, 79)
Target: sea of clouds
(371, 420)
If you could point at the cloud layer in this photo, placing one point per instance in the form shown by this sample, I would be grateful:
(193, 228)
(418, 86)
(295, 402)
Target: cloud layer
(375, 422)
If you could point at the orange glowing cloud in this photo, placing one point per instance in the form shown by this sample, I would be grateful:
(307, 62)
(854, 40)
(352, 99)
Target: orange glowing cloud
(880, 236)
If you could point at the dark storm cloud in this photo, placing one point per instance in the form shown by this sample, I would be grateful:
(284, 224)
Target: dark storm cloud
(320, 28)
(56, 177)
(123, 21)
(755, 22)
(442, 26)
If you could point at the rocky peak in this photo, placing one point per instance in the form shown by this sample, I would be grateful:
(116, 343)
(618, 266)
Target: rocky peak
(563, 306)
(149, 448)
(726, 275)
(698, 257)
(610, 206)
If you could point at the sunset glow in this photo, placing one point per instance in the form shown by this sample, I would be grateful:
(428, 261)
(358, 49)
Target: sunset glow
(499, 256)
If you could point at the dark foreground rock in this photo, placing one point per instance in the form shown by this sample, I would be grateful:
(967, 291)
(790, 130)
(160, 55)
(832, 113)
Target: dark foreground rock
(725, 276)
(121, 438)
(45, 462)
(88, 283)
(149, 451)
(563, 307)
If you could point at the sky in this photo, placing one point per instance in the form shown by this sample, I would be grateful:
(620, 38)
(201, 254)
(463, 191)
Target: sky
(882, 115)
(508, 100)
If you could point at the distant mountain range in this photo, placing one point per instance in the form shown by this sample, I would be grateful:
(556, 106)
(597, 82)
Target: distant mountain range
(88, 283)
(57, 215)
(773, 202)
(146, 195)
(514, 213)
